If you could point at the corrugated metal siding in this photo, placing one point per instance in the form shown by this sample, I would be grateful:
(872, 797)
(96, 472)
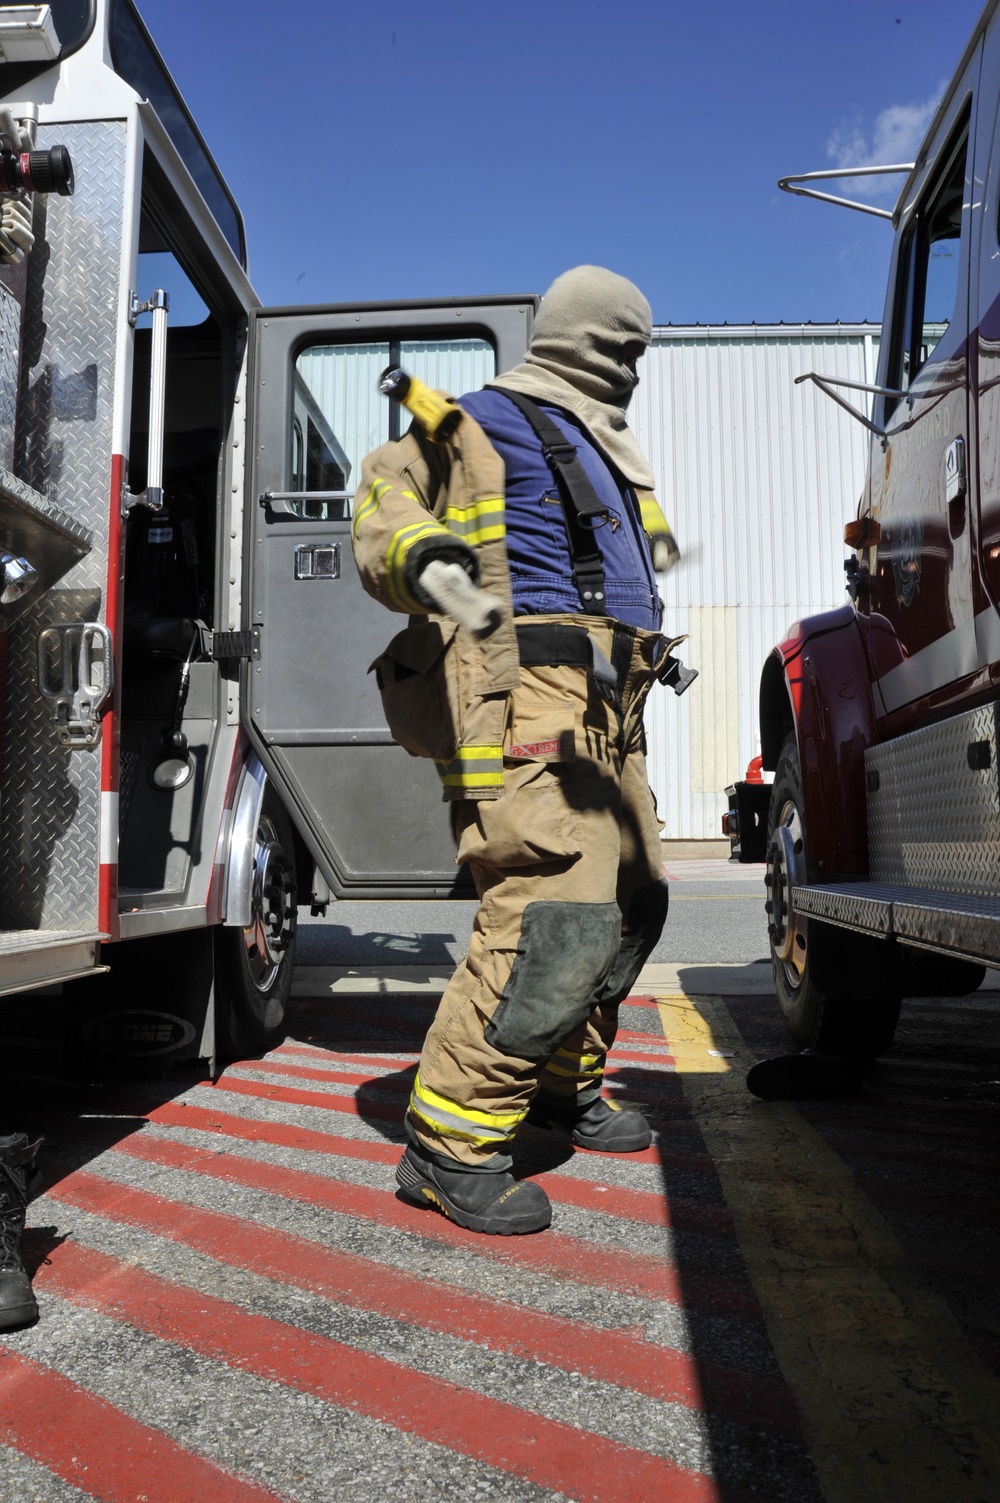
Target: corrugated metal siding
(343, 379)
(455, 365)
(757, 477)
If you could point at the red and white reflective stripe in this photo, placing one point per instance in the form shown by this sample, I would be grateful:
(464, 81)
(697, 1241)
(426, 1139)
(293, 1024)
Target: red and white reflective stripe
(107, 913)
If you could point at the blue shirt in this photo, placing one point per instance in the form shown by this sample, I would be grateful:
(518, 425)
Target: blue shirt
(541, 571)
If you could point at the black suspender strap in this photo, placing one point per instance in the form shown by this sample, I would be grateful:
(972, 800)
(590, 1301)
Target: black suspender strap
(581, 505)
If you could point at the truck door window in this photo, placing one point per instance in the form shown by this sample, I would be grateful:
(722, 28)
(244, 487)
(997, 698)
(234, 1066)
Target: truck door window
(339, 415)
(927, 301)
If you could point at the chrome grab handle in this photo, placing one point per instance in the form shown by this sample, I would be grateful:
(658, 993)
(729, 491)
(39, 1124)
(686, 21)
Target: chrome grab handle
(76, 665)
(158, 305)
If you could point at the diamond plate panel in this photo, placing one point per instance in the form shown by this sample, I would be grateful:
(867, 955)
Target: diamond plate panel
(852, 905)
(962, 923)
(10, 344)
(49, 836)
(934, 816)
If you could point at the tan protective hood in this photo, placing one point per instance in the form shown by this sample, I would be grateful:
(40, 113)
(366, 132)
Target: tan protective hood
(576, 360)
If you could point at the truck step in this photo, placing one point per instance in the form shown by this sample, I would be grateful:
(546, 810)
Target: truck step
(961, 923)
(40, 957)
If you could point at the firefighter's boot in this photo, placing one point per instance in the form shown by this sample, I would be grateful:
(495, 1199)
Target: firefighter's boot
(480, 1199)
(596, 1123)
(17, 1161)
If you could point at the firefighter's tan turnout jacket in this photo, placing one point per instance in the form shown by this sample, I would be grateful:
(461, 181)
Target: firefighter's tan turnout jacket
(445, 693)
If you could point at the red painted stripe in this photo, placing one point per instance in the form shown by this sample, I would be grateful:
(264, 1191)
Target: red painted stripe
(400, 1081)
(329, 1073)
(554, 1253)
(382, 1111)
(342, 1057)
(340, 1060)
(543, 1451)
(388, 1111)
(647, 1056)
(618, 1357)
(645, 1206)
(94, 1446)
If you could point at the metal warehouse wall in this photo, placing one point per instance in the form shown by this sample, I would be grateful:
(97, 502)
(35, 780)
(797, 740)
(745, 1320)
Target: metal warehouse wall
(757, 477)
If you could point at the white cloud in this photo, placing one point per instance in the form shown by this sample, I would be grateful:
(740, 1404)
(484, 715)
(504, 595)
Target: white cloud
(896, 137)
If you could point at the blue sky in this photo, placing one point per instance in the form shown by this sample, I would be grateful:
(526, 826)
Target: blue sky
(384, 151)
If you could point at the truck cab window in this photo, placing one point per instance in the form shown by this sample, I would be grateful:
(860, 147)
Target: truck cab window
(928, 294)
(339, 414)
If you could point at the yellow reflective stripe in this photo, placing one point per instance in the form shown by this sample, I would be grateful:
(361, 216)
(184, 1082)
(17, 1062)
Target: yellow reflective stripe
(395, 559)
(473, 767)
(480, 522)
(585, 1059)
(462, 1121)
(369, 505)
(589, 1065)
(654, 523)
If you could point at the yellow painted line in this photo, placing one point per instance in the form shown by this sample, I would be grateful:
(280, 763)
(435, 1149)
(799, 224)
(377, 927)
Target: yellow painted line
(694, 1044)
(897, 1406)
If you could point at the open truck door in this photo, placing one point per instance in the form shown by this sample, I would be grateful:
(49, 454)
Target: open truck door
(370, 814)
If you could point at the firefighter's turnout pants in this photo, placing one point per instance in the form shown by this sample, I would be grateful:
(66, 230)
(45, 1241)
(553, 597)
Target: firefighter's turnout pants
(568, 868)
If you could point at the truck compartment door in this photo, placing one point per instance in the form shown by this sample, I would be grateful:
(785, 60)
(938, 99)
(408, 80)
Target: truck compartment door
(371, 815)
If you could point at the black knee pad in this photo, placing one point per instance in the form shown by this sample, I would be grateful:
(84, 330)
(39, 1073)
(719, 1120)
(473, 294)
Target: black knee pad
(564, 956)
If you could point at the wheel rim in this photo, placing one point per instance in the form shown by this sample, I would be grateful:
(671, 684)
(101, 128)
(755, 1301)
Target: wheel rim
(786, 869)
(272, 908)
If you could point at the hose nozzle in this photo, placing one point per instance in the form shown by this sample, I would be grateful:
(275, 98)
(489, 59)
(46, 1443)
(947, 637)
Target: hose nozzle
(438, 418)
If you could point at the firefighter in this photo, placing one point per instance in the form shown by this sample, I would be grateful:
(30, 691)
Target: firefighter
(537, 735)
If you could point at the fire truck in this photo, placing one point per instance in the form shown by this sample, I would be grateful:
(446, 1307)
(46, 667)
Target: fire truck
(881, 829)
(191, 747)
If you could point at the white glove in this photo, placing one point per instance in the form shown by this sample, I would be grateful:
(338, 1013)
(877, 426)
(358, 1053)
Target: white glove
(454, 594)
(16, 238)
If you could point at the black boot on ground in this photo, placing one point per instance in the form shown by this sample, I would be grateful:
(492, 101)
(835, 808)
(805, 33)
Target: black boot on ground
(811, 1075)
(17, 1161)
(598, 1124)
(482, 1200)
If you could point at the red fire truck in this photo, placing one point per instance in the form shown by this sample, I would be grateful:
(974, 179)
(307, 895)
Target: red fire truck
(881, 831)
(191, 746)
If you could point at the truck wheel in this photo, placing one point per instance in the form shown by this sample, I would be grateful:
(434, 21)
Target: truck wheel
(855, 1025)
(253, 966)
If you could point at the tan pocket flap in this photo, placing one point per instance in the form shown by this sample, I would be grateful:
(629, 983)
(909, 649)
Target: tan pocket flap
(416, 649)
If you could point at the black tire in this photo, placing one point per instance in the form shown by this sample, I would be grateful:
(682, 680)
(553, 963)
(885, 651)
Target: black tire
(253, 966)
(816, 1016)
